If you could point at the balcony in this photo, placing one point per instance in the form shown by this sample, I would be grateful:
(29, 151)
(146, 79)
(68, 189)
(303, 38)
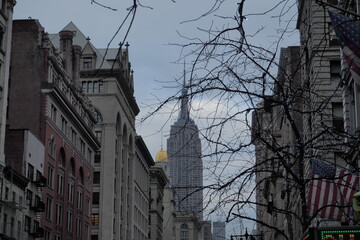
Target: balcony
(39, 206)
(40, 181)
(37, 232)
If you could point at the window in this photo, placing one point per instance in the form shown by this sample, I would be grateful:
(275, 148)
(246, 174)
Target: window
(59, 216)
(78, 227)
(48, 208)
(88, 207)
(64, 126)
(71, 191)
(96, 87)
(79, 198)
(338, 119)
(333, 41)
(87, 63)
(53, 113)
(89, 154)
(18, 229)
(13, 199)
(73, 136)
(27, 226)
(335, 69)
(95, 219)
(52, 147)
(30, 174)
(86, 232)
(97, 157)
(60, 185)
(12, 224)
(184, 233)
(6, 193)
(96, 198)
(36, 226)
(84, 87)
(3, 5)
(98, 117)
(29, 197)
(47, 234)
(98, 135)
(69, 221)
(96, 179)
(50, 176)
(82, 146)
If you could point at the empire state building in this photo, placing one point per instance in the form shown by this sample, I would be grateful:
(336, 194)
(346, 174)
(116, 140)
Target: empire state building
(185, 163)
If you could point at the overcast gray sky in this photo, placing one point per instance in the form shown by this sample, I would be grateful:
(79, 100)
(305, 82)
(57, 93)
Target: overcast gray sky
(151, 55)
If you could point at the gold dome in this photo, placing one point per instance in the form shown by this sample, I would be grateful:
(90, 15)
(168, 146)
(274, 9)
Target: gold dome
(161, 156)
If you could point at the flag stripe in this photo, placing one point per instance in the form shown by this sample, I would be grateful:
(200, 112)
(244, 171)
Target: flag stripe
(330, 192)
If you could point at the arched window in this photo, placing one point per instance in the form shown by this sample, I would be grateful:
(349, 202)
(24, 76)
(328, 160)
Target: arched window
(72, 166)
(62, 159)
(81, 176)
(184, 226)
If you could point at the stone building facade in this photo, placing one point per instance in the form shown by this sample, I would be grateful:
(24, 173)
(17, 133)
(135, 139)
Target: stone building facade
(47, 79)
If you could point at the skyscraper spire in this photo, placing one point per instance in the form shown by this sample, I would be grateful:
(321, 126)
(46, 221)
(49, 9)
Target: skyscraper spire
(184, 112)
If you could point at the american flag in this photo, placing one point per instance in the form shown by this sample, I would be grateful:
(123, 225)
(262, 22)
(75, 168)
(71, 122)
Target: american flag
(330, 192)
(348, 33)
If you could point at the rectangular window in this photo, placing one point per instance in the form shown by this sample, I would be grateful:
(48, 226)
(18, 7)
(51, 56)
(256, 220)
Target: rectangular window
(96, 86)
(29, 195)
(95, 219)
(86, 232)
(96, 198)
(50, 176)
(13, 199)
(60, 185)
(88, 207)
(18, 229)
(47, 234)
(333, 40)
(82, 146)
(89, 154)
(36, 226)
(30, 174)
(12, 225)
(27, 226)
(79, 199)
(78, 227)
(338, 117)
(3, 5)
(101, 87)
(84, 87)
(7, 193)
(69, 221)
(64, 126)
(98, 135)
(87, 63)
(48, 213)
(96, 179)
(53, 113)
(97, 157)
(59, 214)
(335, 70)
(71, 192)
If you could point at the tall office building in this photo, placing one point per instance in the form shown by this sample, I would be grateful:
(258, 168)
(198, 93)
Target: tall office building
(185, 163)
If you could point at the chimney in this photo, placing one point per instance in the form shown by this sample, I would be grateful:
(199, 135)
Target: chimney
(66, 38)
(76, 66)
